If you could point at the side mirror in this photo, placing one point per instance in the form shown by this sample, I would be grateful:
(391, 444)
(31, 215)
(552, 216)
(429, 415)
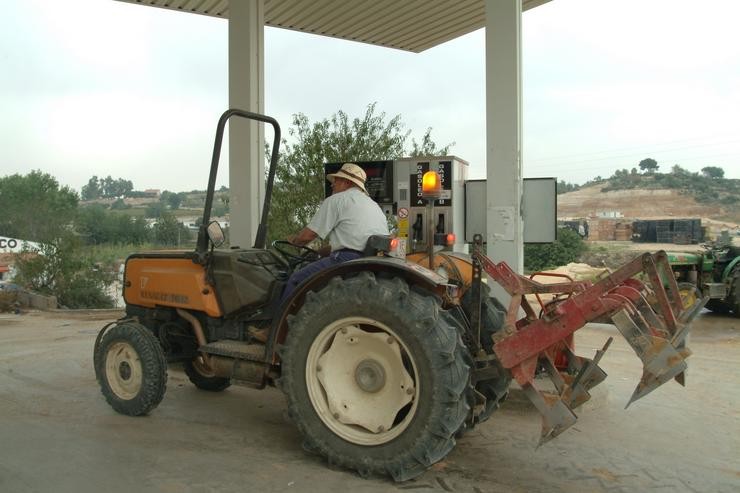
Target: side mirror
(216, 234)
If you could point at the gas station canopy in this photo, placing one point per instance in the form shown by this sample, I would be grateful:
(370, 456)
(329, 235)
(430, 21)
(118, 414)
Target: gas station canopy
(410, 25)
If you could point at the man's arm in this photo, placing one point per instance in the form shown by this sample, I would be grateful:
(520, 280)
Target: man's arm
(303, 238)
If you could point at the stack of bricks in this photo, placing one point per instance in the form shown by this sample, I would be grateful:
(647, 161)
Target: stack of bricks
(603, 230)
(623, 231)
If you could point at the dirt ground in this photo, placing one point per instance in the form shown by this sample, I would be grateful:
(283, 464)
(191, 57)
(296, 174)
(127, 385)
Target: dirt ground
(58, 434)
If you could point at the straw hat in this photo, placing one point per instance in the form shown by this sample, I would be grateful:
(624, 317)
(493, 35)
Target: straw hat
(351, 172)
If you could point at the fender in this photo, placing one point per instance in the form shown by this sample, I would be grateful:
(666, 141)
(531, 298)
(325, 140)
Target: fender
(729, 268)
(412, 273)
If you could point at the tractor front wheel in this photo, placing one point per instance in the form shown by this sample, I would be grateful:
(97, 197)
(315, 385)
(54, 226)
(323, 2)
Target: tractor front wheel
(375, 376)
(131, 369)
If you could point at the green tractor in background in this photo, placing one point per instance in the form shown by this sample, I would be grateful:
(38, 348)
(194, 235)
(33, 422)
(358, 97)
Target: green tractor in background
(713, 273)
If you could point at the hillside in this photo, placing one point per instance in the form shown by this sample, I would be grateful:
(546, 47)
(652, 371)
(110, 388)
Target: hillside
(591, 202)
(636, 203)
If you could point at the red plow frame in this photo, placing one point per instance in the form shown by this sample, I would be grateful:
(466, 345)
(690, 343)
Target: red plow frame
(649, 313)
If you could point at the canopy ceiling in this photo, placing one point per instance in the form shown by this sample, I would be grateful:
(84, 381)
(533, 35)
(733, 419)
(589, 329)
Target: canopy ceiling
(410, 25)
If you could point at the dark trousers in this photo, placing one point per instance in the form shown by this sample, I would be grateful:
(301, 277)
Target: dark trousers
(336, 257)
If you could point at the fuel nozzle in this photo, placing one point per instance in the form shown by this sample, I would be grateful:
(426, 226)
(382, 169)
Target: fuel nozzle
(440, 237)
(418, 232)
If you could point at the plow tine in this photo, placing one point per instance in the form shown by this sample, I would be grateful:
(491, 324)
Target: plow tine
(667, 364)
(685, 321)
(554, 374)
(681, 378)
(661, 361)
(589, 376)
(556, 416)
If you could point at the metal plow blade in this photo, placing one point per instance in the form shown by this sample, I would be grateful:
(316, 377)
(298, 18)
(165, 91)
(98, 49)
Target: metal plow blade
(557, 408)
(588, 376)
(556, 415)
(662, 359)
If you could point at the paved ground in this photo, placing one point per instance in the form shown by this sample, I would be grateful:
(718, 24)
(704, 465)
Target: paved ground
(58, 434)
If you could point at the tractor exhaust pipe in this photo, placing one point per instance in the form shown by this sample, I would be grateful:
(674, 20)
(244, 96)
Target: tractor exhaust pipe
(198, 331)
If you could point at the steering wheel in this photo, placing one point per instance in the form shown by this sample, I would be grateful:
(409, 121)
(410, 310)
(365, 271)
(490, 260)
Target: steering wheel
(299, 254)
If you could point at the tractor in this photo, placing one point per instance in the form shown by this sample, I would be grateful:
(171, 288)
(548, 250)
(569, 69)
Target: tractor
(713, 272)
(385, 362)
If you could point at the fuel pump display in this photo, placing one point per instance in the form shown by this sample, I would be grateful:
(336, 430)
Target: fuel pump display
(379, 183)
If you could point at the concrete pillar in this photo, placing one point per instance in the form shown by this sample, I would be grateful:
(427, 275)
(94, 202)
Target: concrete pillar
(246, 138)
(504, 133)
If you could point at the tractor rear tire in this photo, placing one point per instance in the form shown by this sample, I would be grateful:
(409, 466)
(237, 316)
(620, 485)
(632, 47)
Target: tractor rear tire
(718, 306)
(375, 376)
(131, 369)
(203, 378)
(733, 297)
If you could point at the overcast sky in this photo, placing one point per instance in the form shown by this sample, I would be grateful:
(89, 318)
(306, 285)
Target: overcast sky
(98, 87)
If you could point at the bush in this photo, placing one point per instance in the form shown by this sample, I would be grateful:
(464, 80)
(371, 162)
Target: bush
(155, 210)
(119, 205)
(84, 290)
(8, 300)
(566, 249)
(62, 269)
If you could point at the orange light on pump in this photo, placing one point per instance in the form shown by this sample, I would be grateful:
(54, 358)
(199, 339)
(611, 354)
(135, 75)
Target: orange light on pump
(431, 185)
(450, 239)
(394, 244)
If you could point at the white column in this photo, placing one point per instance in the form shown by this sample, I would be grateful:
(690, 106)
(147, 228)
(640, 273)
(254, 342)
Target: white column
(246, 138)
(504, 133)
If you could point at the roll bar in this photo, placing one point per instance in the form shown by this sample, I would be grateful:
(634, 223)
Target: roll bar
(259, 242)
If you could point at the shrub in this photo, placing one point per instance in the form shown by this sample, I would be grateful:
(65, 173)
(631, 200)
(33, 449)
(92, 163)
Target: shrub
(7, 300)
(61, 268)
(566, 249)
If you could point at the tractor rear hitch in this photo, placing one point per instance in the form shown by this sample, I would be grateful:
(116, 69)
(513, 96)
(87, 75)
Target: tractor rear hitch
(649, 314)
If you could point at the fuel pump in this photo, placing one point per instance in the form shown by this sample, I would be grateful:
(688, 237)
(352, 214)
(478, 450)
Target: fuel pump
(417, 225)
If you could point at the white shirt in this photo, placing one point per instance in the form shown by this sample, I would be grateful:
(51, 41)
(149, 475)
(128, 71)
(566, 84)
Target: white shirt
(347, 219)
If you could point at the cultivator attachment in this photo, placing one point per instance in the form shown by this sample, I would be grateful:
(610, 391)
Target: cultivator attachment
(649, 313)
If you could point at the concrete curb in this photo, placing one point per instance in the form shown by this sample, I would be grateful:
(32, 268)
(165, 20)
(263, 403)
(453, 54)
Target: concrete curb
(89, 314)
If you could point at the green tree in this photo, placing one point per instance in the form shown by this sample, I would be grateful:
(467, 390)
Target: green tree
(171, 199)
(678, 170)
(565, 187)
(92, 190)
(34, 207)
(99, 226)
(649, 165)
(123, 188)
(154, 210)
(93, 225)
(115, 188)
(168, 231)
(427, 147)
(714, 172)
(299, 180)
(140, 232)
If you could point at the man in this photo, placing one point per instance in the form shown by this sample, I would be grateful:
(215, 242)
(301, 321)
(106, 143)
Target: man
(347, 218)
